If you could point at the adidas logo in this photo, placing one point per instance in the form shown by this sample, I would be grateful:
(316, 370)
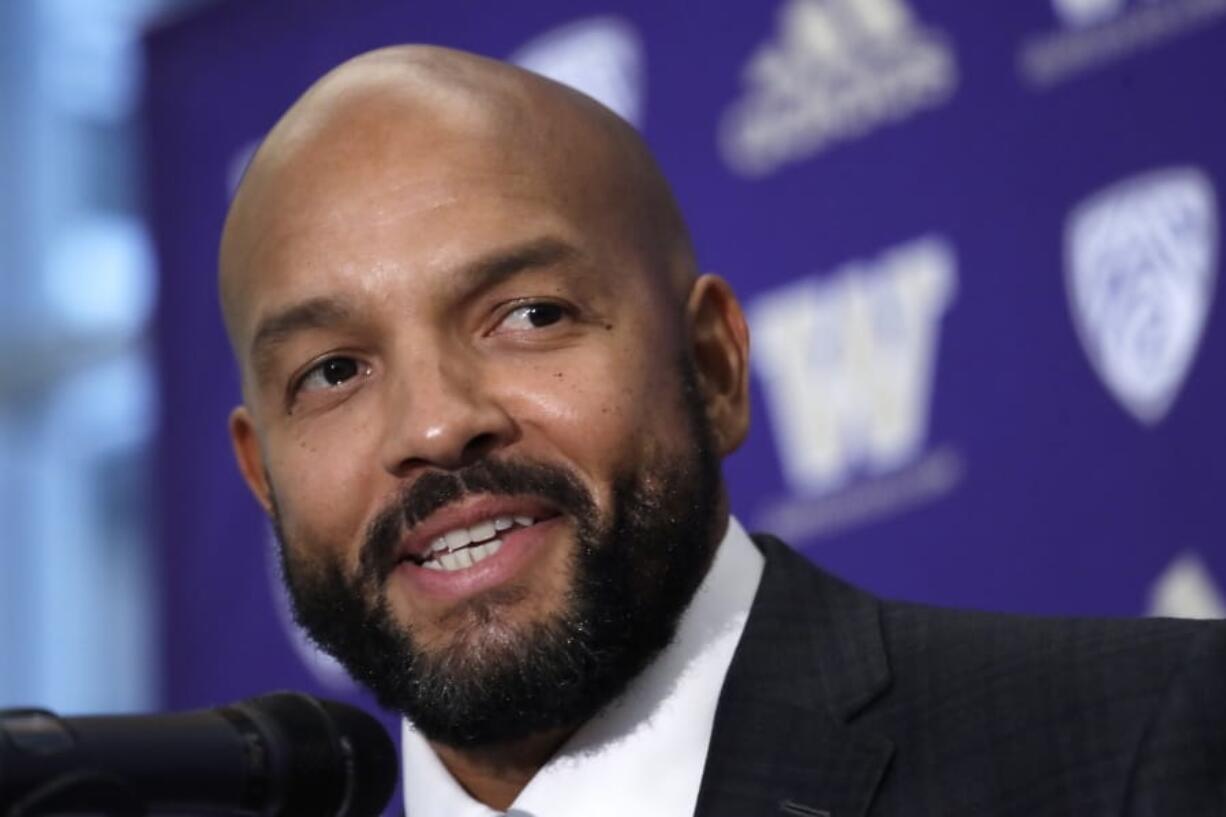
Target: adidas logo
(836, 70)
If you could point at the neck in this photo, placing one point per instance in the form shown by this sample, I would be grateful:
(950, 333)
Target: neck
(495, 775)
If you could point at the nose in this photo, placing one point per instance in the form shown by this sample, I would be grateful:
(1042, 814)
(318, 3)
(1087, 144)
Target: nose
(443, 417)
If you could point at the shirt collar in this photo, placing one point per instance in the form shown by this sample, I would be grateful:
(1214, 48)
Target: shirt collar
(612, 764)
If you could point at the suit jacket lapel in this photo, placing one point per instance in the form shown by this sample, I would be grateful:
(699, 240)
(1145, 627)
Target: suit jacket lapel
(810, 658)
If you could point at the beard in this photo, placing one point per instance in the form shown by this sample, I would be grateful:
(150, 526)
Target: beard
(635, 570)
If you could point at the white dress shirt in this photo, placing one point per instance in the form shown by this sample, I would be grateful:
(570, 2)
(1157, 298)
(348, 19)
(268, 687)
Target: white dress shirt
(644, 753)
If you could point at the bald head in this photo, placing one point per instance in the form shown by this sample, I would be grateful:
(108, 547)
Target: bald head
(460, 292)
(407, 113)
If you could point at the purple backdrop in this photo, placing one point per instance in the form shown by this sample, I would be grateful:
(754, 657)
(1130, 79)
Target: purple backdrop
(977, 243)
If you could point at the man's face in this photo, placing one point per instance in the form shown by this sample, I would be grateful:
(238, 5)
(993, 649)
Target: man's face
(471, 409)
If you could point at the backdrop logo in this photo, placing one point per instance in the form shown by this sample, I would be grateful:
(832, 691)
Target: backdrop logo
(237, 165)
(1140, 266)
(847, 363)
(1092, 33)
(1186, 589)
(1078, 13)
(836, 70)
(601, 56)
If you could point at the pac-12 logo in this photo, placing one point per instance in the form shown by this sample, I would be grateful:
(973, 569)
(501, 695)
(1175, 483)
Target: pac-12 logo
(836, 70)
(1186, 588)
(1140, 268)
(846, 361)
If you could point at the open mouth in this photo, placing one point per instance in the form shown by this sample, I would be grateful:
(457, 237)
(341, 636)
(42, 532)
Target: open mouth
(461, 548)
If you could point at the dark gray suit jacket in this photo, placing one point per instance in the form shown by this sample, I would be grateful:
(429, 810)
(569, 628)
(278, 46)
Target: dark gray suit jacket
(838, 703)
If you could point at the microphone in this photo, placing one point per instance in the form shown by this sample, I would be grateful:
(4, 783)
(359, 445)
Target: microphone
(284, 754)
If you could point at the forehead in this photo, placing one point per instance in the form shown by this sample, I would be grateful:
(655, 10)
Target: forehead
(394, 194)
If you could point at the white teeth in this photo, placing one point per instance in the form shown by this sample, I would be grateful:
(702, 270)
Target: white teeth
(481, 552)
(464, 547)
(465, 558)
(457, 538)
(481, 531)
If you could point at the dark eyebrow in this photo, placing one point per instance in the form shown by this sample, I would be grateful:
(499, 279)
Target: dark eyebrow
(315, 313)
(323, 312)
(507, 262)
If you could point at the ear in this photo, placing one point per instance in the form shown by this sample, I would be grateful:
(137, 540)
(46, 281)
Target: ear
(250, 457)
(719, 339)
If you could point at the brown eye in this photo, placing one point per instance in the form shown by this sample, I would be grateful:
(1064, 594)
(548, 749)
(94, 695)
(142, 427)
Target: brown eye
(543, 314)
(331, 373)
(534, 316)
(339, 369)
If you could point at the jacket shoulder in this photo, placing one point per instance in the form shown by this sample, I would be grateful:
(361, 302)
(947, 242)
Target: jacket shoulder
(999, 713)
(1107, 716)
(952, 642)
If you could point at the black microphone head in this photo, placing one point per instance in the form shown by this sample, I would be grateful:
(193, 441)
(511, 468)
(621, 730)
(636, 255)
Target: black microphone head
(324, 759)
(375, 765)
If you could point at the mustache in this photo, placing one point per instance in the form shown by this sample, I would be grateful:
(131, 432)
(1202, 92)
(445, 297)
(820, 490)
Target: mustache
(436, 489)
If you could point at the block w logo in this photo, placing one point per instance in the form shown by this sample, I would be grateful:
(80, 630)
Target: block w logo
(847, 363)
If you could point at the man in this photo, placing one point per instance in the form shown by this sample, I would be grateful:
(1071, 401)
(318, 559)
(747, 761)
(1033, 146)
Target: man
(485, 395)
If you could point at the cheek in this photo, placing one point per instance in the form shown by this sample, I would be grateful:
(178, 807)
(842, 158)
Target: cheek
(602, 412)
(323, 490)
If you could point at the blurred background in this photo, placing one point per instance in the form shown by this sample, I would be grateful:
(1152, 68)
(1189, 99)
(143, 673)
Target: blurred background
(978, 245)
(78, 394)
